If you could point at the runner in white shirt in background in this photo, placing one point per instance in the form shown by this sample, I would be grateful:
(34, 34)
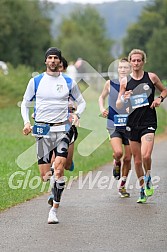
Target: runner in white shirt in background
(72, 71)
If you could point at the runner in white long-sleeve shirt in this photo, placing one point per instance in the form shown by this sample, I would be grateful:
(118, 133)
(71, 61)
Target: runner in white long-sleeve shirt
(51, 91)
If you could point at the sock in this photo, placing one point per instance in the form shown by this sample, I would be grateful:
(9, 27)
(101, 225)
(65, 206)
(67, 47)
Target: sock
(142, 189)
(147, 178)
(58, 189)
(72, 166)
(123, 182)
(118, 162)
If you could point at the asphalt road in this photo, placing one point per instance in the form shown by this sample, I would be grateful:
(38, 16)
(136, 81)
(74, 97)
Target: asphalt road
(93, 218)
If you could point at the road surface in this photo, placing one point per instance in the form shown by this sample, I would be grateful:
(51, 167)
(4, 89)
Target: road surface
(93, 218)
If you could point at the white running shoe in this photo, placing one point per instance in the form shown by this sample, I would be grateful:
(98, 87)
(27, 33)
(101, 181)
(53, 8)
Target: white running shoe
(52, 219)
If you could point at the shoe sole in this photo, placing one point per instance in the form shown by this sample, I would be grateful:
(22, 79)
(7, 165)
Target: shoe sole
(117, 177)
(50, 202)
(142, 202)
(53, 222)
(124, 196)
(139, 202)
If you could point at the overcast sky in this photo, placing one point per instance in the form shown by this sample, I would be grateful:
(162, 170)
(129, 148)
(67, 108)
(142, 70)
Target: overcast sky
(81, 1)
(85, 1)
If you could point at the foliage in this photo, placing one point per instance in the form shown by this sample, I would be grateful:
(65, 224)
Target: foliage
(157, 52)
(150, 34)
(26, 32)
(13, 85)
(83, 35)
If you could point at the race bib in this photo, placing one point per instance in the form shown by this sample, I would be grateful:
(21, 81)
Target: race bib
(138, 101)
(40, 129)
(120, 120)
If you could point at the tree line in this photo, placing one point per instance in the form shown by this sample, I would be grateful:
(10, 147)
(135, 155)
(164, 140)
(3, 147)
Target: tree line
(25, 34)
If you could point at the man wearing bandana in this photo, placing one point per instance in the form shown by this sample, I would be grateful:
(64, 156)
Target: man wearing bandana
(51, 91)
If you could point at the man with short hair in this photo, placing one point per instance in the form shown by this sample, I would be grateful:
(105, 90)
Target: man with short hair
(138, 90)
(116, 126)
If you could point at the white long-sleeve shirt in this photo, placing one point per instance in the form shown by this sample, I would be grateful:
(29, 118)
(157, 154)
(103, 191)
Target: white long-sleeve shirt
(51, 99)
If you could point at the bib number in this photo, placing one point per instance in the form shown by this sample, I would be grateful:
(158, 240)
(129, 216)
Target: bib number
(120, 120)
(40, 129)
(138, 101)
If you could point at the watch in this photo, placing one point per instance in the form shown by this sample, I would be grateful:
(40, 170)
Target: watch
(161, 97)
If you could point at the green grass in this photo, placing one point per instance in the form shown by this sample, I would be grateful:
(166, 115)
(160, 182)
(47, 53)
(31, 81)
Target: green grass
(13, 85)
(13, 143)
(162, 120)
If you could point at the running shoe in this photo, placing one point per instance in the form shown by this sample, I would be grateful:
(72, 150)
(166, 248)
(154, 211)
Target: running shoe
(123, 193)
(149, 190)
(50, 199)
(72, 166)
(117, 169)
(142, 198)
(52, 219)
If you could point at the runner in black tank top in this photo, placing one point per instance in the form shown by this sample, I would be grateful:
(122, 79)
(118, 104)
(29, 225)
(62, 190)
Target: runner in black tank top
(142, 115)
(139, 90)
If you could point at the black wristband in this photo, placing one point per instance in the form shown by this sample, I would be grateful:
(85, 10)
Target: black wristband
(78, 115)
(161, 97)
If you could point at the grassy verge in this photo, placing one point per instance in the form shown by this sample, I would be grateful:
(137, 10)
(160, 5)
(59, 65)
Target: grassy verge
(19, 184)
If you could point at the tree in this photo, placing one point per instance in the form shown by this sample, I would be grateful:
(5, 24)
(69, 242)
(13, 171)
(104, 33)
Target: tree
(83, 35)
(149, 34)
(139, 33)
(25, 34)
(156, 49)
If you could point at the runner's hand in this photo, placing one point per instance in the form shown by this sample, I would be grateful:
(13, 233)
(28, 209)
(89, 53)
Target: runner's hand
(27, 129)
(156, 103)
(127, 94)
(75, 120)
(105, 113)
